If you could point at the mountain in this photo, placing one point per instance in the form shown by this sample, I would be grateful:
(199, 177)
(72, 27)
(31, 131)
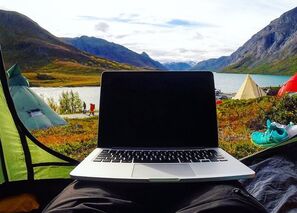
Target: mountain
(24, 42)
(183, 66)
(273, 50)
(112, 51)
(212, 64)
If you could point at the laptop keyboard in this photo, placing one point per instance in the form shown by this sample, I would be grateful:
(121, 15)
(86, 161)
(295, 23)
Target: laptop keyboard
(153, 156)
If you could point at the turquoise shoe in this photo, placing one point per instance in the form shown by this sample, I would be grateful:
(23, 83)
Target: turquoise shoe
(273, 135)
(268, 124)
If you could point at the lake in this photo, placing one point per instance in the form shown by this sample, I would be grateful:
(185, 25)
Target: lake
(87, 94)
(227, 83)
(230, 83)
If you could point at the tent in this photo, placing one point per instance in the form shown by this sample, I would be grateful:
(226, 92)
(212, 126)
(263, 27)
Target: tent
(33, 112)
(25, 163)
(289, 86)
(249, 89)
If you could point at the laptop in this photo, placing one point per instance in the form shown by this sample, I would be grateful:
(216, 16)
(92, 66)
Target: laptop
(158, 127)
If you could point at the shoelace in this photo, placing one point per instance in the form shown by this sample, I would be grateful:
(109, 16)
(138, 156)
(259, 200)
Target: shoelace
(267, 132)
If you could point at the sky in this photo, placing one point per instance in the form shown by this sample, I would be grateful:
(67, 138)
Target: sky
(167, 30)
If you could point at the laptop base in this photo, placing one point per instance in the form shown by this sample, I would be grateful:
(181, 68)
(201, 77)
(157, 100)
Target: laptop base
(232, 169)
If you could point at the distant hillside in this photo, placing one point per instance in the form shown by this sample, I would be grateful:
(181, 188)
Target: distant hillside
(24, 42)
(183, 66)
(212, 64)
(273, 50)
(112, 51)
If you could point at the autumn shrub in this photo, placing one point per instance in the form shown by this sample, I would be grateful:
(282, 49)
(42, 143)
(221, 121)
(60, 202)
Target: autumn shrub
(76, 139)
(285, 110)
(239, 149)
(237, 119)
(42, 76)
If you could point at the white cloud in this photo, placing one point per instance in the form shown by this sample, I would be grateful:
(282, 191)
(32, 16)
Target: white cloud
(121, 36)
(198, 36)
(102, 26)
(3, 7)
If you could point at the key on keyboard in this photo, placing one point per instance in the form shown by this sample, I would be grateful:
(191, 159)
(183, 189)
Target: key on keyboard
(159, 156)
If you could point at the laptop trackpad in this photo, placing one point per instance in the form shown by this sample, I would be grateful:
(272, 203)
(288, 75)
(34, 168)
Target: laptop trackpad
(165, 170)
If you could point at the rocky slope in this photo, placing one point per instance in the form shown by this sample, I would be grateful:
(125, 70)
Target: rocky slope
(24, 42)
(113, 51)
(182, 66)
(271, 50)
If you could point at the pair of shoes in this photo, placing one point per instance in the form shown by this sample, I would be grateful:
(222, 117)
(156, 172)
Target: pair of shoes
(275, 134)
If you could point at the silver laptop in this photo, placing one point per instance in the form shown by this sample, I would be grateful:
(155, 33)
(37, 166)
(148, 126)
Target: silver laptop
(158, 127)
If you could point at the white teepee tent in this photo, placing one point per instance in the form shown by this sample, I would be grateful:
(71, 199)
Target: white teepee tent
(249, 89)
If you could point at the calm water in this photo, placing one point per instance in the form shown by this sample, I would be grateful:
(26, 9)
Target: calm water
(87, 94)
(228, 83)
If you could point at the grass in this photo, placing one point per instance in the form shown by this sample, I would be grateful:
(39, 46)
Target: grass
(76, 140)
(278, 67)
(236, 119)
(71, 73)
(57, 79)
(64, 73)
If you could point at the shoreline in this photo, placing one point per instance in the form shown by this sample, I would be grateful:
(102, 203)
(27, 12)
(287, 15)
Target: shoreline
(252, 73)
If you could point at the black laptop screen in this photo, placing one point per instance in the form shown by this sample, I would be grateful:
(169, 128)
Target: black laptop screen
(157, 109)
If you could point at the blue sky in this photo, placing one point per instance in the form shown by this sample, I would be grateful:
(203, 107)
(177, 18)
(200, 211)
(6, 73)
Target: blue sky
(175, 30)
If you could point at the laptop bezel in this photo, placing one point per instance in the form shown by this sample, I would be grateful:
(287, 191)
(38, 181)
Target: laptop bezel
(106, 74)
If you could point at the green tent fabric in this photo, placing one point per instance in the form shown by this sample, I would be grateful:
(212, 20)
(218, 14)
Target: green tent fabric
(31, 109)
(23, 157)
(14, 73)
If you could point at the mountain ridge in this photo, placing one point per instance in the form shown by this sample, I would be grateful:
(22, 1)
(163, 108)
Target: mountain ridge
(112, 51)
(272, 50)
(176, 66)
(36, 50)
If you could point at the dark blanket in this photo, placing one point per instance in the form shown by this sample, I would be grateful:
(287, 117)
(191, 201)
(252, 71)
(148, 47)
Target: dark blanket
(275, 184)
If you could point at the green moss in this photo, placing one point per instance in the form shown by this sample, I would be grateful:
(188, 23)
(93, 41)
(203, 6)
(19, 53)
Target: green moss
(279, 67)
